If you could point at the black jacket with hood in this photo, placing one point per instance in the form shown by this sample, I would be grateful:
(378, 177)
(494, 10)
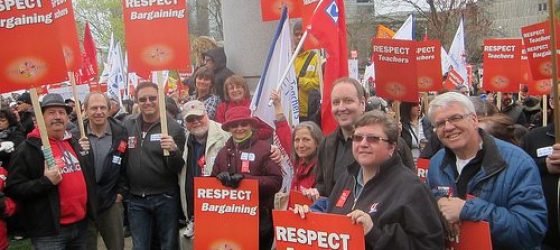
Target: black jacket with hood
(403, 210)
(221, 72)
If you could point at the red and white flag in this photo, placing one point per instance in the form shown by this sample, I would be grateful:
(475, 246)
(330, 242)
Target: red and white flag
(328, 25)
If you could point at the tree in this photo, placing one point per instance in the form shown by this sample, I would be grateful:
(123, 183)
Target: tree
(441, 18)
(205, 19)
(104, 17)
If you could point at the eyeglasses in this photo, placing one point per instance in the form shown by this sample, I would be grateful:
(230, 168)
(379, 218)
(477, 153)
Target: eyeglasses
(19, 103)
(152, 98)
(372, 139)
(454, 119)
(237, 124)
(194, 118)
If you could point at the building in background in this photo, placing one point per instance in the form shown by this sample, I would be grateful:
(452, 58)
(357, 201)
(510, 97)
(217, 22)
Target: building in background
(510, 15)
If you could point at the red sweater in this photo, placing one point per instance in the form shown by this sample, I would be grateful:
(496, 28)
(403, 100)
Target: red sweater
(72, 189)
(304, 174)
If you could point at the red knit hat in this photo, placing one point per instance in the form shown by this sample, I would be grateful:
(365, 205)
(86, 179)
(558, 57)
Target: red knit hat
(238, 114)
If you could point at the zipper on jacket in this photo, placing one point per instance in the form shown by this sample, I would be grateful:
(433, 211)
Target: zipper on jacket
(354, 193)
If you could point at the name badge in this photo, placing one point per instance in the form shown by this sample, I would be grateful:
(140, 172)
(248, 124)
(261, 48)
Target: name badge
(155, 137)
(117, 160)
(244, 156)
(546, 151)
(251, 156)
(132, 142)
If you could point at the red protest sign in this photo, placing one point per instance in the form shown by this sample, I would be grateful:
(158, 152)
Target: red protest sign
(428, 65)
(422, 167)
(236, 211)
(502, 65)
(535, 87)
(395, 69)
(316, 231)
(472, 235)
(67, 34)
(156, 35)
(30, 52)
(540, 87)
(272, 9)
(536, 38)
(453, 80)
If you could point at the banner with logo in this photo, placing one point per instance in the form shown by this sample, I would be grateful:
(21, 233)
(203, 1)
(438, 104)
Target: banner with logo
(226, 218)
(67, 34)
(472, 235)
(536, 38)
(395, 69)
(30, 53)
(272, 9)
(502, 65)
(428, 65)
(156, 35)
(316, 231)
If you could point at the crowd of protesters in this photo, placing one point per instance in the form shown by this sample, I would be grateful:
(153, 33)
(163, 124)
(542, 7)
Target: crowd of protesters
(122, 175)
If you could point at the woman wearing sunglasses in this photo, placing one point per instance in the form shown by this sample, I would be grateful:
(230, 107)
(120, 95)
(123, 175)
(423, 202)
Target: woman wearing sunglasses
(244, 156)
(395, 210)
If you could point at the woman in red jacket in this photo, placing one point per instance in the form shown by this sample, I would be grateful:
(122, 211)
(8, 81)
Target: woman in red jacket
(302, 142)
(244, 156)
(237, 94)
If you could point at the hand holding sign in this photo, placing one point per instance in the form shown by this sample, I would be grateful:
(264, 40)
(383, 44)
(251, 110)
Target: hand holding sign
(362, 218)
(451, 208)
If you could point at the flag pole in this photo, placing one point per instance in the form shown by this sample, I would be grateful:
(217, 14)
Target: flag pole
(162, 109)
(78, 106)
(556, 100)
(292, 60)
(46, 148)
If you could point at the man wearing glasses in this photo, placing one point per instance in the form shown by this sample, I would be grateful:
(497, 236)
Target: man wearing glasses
(205, 138)
(477, 177)
(152, 176)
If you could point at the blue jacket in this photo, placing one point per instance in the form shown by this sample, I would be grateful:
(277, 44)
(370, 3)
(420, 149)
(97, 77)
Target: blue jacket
(507, 191)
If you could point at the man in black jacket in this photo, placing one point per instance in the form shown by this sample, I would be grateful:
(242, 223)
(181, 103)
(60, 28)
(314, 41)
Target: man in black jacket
(152, 176)
(539, 144)
(106, 142)
(54, 200)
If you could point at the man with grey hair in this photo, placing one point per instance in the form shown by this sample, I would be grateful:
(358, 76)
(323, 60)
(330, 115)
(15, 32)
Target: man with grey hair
(204, 139)
(477, 177)
(107, 146)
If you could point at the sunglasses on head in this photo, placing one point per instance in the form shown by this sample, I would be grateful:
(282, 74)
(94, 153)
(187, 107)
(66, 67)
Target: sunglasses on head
(152, 98)
(369, 139)
(193, 118)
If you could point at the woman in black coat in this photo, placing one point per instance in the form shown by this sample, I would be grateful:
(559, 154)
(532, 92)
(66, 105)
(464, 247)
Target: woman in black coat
(11, 135)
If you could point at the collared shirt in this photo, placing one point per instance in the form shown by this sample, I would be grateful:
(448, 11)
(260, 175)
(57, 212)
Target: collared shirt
(343, 148)
(359, 183)
(101, 147)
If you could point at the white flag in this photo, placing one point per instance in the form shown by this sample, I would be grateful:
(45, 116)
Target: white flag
(116, 76)
(457, 53)
(278, 60)
(407, 30)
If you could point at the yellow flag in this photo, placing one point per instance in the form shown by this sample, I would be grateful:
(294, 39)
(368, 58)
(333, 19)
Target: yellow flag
(384, 32)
